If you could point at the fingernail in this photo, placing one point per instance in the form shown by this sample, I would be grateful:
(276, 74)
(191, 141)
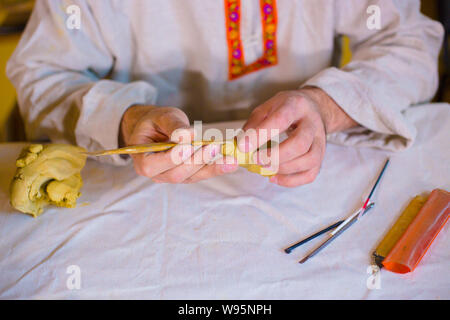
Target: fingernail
(214, 150)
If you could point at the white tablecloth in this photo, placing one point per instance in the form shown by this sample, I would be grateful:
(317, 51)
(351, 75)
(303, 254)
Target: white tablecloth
(224, 238)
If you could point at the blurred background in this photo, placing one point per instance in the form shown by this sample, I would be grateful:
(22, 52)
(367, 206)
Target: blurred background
(14, 14)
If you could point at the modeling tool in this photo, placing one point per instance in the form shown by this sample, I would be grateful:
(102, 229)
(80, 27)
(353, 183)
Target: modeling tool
(150, 147)
(333, 236)
(228, 148)
(349, 221)
(319, 233)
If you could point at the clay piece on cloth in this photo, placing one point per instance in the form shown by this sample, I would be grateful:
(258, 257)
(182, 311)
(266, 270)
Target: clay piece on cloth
(47, 175)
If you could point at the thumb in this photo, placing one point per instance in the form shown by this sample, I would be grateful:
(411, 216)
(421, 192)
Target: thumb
(174, 124)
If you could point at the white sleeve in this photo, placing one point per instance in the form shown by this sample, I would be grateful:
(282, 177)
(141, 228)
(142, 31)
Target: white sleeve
(392, 69)
(58, 74)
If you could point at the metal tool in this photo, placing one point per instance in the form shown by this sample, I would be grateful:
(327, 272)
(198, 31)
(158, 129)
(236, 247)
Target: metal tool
(333, 236)
(340, 226)
(321, 232)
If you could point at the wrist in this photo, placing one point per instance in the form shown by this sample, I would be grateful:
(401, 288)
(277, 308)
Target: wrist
(333, 116)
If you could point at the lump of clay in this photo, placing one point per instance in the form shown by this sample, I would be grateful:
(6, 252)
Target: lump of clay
(244, 160)
(47, 175)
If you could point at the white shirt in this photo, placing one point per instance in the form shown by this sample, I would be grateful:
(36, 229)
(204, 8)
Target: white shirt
(75, 84)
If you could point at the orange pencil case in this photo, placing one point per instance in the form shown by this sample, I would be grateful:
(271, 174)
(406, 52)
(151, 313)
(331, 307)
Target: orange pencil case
(414, 243)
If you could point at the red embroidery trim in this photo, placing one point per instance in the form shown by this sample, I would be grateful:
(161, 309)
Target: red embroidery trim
(236, 63)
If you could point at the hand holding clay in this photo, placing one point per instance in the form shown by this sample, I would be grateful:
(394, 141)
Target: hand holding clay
(306, 116)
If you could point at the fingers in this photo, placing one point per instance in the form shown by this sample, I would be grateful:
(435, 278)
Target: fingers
(180, 163)
(297, 179)
(168, 120)
(297, 160)
(213, 170)
(191, 166)
(175, 125)
(272, 124)
(154, 164)
(308, 161)
(261, 112)
(298, 143)
(162, 124)
(145, 132)
(302, 170)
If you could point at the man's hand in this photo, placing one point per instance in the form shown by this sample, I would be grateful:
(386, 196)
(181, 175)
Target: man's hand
(306, 115)
(147, 124)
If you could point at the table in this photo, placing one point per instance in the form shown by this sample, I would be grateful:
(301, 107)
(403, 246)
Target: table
(224, 238)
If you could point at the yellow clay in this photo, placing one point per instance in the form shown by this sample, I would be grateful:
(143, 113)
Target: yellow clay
(244, 160)
(47, 175)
